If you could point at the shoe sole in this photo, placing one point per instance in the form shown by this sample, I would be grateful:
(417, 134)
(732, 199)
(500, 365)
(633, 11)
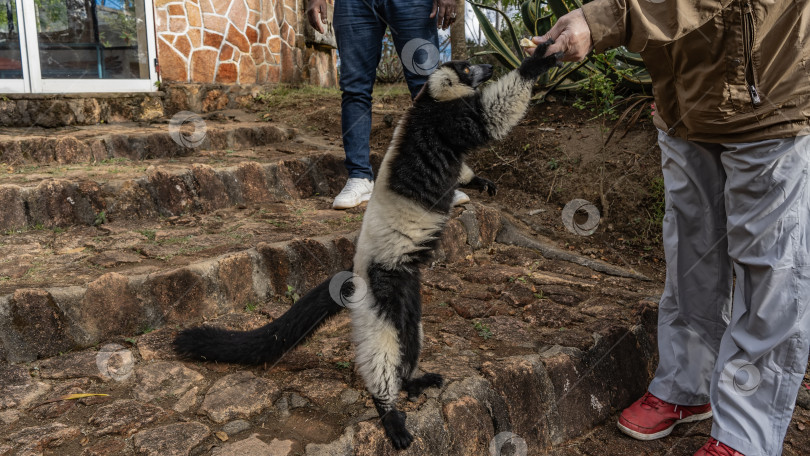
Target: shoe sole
(639, 436)
(363, 199)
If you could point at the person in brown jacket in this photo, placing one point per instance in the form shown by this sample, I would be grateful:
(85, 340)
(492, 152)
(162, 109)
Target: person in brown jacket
(731, 81)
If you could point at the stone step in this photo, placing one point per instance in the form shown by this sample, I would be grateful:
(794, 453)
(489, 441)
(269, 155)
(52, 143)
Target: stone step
(131, 190)
(62, 291)
(137, 141)
(538, 349)
(70, 289)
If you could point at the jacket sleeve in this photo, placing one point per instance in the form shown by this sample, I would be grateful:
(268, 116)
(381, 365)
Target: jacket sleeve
(641, 24)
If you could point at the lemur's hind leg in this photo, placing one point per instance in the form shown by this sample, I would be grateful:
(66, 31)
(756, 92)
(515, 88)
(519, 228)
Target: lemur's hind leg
(468, 179)
(411, 334)
(385, 346)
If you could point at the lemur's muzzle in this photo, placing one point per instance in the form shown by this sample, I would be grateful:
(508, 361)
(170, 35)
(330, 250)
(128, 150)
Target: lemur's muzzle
(480, 73)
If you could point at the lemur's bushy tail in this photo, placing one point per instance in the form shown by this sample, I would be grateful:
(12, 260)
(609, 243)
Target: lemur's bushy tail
(266, 344)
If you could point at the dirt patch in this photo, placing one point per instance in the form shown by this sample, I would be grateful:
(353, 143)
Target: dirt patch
(556, 154)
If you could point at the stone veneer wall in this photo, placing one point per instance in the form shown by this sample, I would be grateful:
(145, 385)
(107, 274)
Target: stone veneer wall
(238, 41)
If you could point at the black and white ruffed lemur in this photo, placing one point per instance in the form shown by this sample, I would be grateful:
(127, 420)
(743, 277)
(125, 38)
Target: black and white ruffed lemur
(401, 227)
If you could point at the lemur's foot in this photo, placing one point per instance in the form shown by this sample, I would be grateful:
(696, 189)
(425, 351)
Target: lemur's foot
(393, 422)
(416, 386)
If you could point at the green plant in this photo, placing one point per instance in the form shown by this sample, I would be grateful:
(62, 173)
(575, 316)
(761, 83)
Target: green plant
(292, 294)
(343, 364)
(101, 218)
(148, 234)
(482, 329)
(251, 306)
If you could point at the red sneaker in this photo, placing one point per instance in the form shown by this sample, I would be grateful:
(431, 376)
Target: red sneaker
(650, 418)
(716, 448)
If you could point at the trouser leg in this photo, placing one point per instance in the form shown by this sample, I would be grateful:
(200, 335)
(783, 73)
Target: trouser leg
(763, 354)
(694, 307)
(415, 38)
(359, 29)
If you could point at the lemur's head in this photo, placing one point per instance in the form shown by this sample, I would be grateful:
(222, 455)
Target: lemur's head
(456, 79)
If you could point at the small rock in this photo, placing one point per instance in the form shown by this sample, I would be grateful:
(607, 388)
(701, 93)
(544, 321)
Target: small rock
(11, 375)
(472, 308)
(176, 439)
(238, 395)
(254, 447)
(21, 395)
(235, 427)
(342, 446)
(114, 258)
(297, 401)
(124, 417)
(186, 401)
(349, 396)
(47, 436)
(5, 450)
(108, 446)
(9, 417)
(72, 365)
(222, 436)
(164, 378)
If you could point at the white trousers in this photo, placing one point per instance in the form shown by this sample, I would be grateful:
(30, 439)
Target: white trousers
(736, 210)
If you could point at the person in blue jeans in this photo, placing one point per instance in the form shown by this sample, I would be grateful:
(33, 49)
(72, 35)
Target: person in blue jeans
(359, 29)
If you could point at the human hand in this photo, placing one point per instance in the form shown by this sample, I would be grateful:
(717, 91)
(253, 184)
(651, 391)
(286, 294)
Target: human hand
(571, 36)
(445, 13)
(316, 10)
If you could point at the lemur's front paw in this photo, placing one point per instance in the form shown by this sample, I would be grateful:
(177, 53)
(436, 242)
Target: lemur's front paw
(538, 63)
(481, 184)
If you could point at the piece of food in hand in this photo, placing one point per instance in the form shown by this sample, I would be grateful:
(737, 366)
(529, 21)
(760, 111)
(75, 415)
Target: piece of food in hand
(527, 43)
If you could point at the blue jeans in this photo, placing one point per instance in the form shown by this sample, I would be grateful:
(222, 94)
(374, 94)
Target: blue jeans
(359, 29)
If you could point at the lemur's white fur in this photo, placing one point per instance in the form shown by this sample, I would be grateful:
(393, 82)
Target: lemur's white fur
(466, 175)
(505, 102)
(444, 85)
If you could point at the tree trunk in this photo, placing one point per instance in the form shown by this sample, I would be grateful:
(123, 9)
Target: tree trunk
(458, 33)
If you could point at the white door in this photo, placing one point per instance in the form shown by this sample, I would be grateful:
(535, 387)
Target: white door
(80, 46)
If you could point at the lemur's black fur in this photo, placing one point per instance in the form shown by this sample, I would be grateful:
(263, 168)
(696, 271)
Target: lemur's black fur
(401, 228)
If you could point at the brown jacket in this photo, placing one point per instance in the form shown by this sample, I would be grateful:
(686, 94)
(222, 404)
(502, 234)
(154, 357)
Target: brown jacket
(723, 71)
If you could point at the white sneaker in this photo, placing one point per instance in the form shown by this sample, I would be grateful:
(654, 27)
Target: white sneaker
(356, 191)
(460, 198)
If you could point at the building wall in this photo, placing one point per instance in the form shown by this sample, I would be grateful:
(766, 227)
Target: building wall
(238, 41)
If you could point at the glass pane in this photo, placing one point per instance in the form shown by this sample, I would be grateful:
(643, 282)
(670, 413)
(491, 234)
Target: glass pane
(10, 57)
(92, 39)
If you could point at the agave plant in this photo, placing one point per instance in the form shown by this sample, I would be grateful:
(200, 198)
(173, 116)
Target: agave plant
(539, 16)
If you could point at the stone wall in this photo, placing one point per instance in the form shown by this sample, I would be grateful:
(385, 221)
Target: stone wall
(238, 41)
